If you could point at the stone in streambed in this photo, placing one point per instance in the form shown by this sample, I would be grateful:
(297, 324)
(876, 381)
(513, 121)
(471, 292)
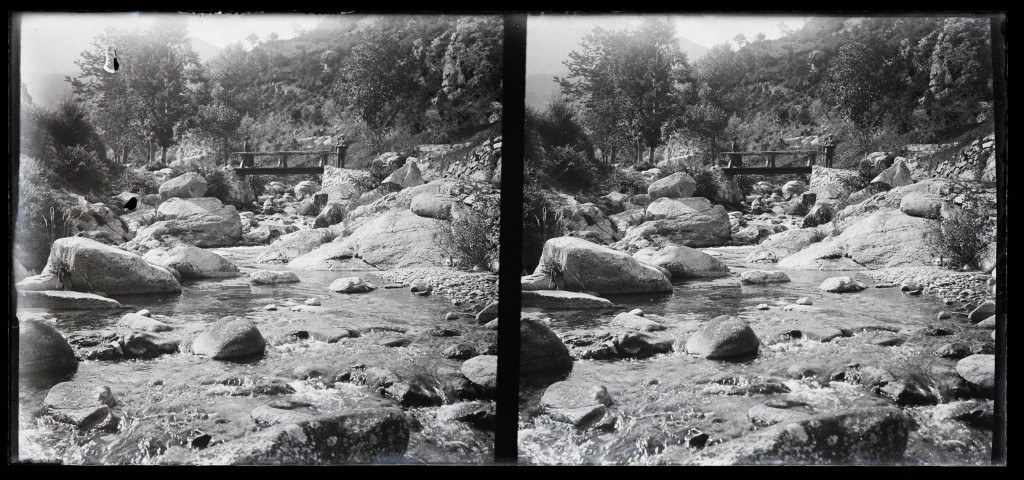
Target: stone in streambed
(139, 322)
(350, 285)
(723, 337)
(65, 300)
(759, 277)
(82, 404)
(541, 351)
(561, 299)
(229, 337)
(269, 277)
(841, 285)
(636, 322)
(482, 370)
(980, 371)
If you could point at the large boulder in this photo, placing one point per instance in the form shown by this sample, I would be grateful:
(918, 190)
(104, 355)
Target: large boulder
(188, 185)
(433, 206)
(761, 277)
(82, 404)
(723, 337)
(683, 262)
(270, 277)
(350, 285)
(541, 352)
(290, 246)
(561, 299)
(332, 214)
(922, 205)
(885, 238)
(692, 222)
(482, 370)
(229, 337)
(63, 300)
(335, 437)
(865, 436)
(820, 213)
(897, 175)
(834, 185)
(407, 176)
(193, 262)
(841, 285)
(85, 265)
(783, 244)
(980, 371)
(397, 239)
(343, 184)
(677, 185)
(304, 188)
(579, 403)
(581, 266)
(43, 353)
(200, 222)
(793, 188)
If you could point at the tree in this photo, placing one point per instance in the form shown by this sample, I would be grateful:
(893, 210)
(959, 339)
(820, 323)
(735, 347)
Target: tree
(865, 80)
(153, 90)
(627, 83)
(380, 80)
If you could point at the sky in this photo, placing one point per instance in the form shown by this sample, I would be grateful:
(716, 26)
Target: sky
(550, 38)
(51, 42)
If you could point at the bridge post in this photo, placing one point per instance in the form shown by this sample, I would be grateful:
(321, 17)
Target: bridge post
(812, 159)
(283, 161)
(771, 160)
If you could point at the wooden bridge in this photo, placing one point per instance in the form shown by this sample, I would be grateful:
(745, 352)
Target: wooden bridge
(247, 161)
(736, 167)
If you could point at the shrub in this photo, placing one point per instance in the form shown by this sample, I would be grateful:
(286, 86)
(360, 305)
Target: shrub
(131, 181)
(626, 182)
(471, 239)
(257, 183)
(960, 236)
(707, 185)
(217, 184)
(541, 222)
(43, 214)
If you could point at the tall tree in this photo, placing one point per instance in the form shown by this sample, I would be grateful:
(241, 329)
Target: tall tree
(380, 79)
(152, 91)
(628, 83)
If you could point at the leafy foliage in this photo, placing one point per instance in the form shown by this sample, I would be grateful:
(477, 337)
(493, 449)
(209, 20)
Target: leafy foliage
(627, 84)
(961, 237)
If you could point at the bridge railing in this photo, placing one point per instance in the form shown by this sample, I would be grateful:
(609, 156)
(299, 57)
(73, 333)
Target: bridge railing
(769, 157)
(247, 160)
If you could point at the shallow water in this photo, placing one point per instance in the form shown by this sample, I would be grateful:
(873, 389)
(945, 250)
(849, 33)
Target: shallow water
(166, 401)
(666, 399)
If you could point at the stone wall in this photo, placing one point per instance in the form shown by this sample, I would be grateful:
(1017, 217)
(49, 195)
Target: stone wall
(974, 162)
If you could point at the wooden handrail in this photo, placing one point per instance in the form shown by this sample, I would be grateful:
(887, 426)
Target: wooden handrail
(774, 152)
(286, 152)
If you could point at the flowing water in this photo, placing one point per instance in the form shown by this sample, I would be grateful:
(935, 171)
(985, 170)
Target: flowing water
(670, 398)
(165, 402)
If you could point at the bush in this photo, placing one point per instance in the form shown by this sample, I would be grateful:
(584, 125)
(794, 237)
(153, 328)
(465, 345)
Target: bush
(707, 185)
(43, 214)
(961, 237)
(133, 182)
(472, 237)
(626, 182)
(257, 183)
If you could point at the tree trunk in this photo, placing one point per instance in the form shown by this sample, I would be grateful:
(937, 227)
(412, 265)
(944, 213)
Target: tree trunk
(650, 156)
(225, 157)
(149, 158)
(163, 156)
(124, 153)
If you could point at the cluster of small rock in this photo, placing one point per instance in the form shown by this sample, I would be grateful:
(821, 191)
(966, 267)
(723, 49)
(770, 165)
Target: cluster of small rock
(460, 287)
(965, 289)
